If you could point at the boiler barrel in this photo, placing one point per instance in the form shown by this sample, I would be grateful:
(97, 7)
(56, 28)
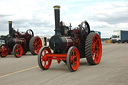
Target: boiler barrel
(58, 43)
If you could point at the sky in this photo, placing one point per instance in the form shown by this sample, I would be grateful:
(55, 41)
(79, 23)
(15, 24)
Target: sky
(38, 15)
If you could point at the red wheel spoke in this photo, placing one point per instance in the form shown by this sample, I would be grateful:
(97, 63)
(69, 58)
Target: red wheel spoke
(37, 51)
(93, 47)
(39, 45)
(97, 55)
(38, 42)
(44, 51)
(35, 44)
(35, 48)
(96, 41)
(72, 59)
(45, 63)
(16, 50)
(74, 64)
(73, 53)
(93, 54)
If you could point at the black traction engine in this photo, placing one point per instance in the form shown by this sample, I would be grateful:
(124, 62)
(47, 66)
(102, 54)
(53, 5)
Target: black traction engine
(69, 45)
(21, 42)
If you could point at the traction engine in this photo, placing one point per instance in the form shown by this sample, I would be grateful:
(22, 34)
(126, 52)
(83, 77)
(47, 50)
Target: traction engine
(69, 45)
(21, 42)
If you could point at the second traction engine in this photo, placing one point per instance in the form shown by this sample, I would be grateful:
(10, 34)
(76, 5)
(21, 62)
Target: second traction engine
(21, 42)
(69, 45)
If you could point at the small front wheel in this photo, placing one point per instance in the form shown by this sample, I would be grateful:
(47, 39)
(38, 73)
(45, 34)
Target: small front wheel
(3, 50)
(17, 50)
(43, 62)
(73, 59)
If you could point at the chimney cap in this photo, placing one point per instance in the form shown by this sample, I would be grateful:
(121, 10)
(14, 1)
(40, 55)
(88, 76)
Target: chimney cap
(56, 7)
(9, 21)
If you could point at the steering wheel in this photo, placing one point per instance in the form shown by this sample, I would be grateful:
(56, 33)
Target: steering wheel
(84, 29)
(30, 32)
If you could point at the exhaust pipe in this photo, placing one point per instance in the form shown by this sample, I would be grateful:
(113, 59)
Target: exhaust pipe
(57, 19)
(10, 27)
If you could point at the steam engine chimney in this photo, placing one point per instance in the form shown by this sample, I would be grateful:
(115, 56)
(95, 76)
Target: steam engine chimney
(10, 27)
(57, 19)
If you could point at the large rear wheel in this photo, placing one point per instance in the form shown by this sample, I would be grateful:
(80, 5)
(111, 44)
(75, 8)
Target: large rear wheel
(3, 50)
(73, 59)
(93, 48)
(43, 62)
(35, 45)
(17, 50)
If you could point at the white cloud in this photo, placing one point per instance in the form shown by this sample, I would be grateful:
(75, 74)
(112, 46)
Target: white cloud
(123, 25)
(38, 15)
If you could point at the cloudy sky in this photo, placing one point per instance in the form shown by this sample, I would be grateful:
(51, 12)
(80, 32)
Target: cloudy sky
(38, 15)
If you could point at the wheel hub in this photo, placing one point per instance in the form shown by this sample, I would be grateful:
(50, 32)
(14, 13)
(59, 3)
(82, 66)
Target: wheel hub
(96, 48)
(75, 59)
